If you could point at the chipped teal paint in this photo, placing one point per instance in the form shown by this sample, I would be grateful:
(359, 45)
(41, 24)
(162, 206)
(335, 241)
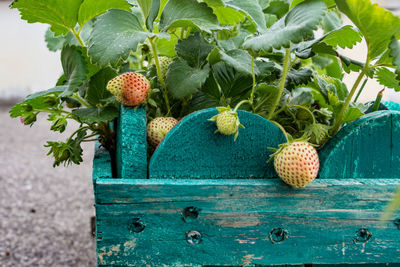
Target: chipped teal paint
(366, 148)
(144, 222)
(192, 150)
(391, 105)
(132, 143)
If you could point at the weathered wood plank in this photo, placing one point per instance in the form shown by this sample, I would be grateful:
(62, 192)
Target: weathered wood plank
(131, 143)
(101, 163)
(365, 148)
(145, 222)
(192, 150)
(391, 105)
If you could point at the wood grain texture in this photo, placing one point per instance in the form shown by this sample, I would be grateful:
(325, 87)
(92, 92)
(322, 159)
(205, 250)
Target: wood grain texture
(146, 222)
(366, 148)
(131, 143)
(192, 150)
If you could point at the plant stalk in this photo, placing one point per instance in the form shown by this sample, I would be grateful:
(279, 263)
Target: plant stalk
(78, 37)
(159, 74)
(361, 89)
(285, 71)
(254, 82)
(339, 119)
(239, 104)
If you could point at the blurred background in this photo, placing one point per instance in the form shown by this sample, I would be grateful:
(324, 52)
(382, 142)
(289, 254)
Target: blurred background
(45, 213)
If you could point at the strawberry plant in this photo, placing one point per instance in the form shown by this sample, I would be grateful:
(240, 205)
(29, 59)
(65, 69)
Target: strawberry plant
(280, 59)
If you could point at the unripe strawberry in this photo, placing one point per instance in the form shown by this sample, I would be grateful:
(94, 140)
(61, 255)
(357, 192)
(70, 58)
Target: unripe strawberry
(296, 163)
(158, 128)
(164, 63)
(129, 88)
(227, 121)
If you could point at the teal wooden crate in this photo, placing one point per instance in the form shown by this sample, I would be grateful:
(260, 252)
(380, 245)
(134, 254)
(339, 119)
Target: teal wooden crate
(206, 200)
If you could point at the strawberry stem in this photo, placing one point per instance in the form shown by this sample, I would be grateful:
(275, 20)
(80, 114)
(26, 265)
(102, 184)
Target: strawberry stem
(78, 37)
(254, 83)
(159, 74)
(306, 109)
(285, 71)
(339, 118)
(282, 129)
(240, 103)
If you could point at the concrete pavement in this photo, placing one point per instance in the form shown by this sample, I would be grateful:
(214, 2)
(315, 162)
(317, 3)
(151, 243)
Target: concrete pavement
(44, 211)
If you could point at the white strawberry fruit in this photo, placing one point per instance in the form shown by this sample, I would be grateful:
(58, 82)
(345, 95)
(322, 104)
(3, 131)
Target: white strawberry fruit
(158, 128)
(164, 63)
(296, 163)
(227, 121)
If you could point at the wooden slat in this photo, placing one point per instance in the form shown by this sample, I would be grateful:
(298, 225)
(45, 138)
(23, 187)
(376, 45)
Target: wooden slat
(235, 218)
(365, 148)
(192, 149)
(131, 143)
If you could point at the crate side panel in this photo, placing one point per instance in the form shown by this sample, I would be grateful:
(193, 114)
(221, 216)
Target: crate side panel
(131, 143)
(391, 105)
(365, 148)
(192, 149)
(242, 223)
(101, 163)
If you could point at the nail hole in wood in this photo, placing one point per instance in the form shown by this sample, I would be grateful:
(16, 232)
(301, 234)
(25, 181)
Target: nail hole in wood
(193, 237)
(363, 235)
(278, 235)
(397, 223)
(136, 226)
(190, 213)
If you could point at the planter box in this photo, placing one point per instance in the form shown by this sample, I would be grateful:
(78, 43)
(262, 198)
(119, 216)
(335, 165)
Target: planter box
(206, 200)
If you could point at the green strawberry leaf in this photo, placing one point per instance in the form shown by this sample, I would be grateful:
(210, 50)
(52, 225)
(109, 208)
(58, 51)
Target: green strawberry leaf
(231, 82)
(55, 43)
(296, 26)
(92, 8)
(345, 37)
(183, 80)
(75, 68)
(239, 59)
(167, 47)
(395, 54)
(296, 2)
(194, 50)
(332, 20)
(61, 15)
(226, 15)
(97, 92)
(153, 13)
(188, 13)
(377, 24)
(145, 7)
(351, 114)
(94, 115)
(252, 9)
(276, 7)
(115, 34)
(387, 78)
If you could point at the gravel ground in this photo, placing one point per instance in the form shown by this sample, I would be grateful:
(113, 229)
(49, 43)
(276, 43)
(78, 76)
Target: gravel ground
(44, 211)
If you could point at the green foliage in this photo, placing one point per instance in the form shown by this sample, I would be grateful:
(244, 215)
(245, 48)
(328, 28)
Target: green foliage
(188, 13)
(115, 34)
(43, 11)
(264, 56)
(295, 27)
(90, 9)
(375, 23)
(387, 78)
